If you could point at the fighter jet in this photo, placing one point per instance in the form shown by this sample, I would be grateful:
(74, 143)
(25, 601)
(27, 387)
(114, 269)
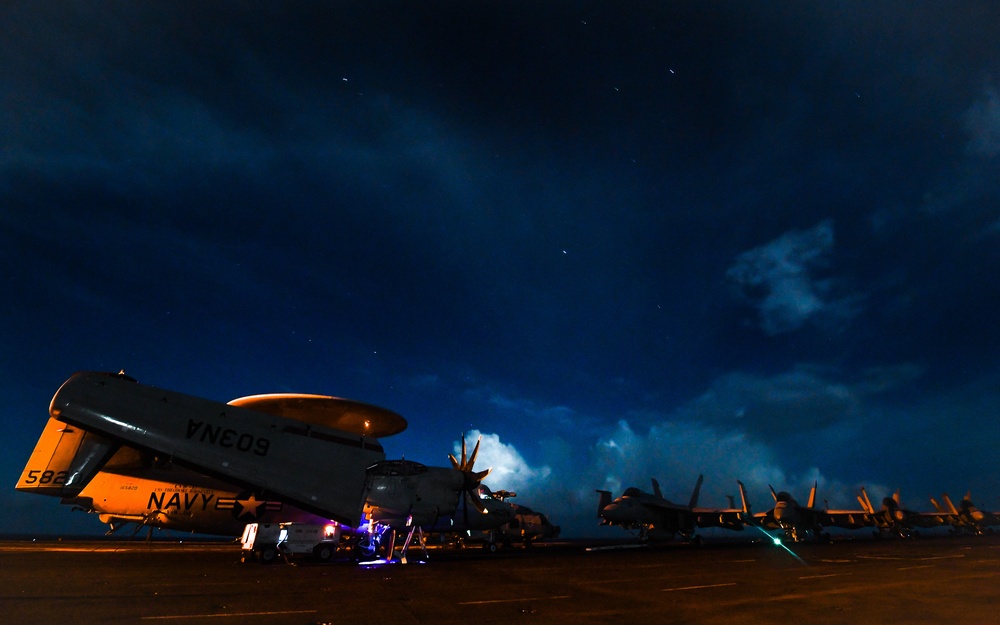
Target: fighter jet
(967, 517)
(136, 453)
(799, 521)
(658, 519)
(892, 519)
(528, 526)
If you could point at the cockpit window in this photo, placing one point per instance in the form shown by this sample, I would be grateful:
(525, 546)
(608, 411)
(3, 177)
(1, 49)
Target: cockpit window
(396, 467)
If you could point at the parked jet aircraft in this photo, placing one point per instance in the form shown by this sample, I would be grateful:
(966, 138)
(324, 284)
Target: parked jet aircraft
(797, 521)
(967, 517)
(659, 519)
(892, 519)
(136, 453)
(527, 526)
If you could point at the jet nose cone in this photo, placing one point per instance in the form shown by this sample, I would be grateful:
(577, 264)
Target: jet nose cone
(613, 512)
(782, 513)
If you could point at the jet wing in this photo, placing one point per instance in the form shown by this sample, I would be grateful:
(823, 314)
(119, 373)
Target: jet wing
(926, 519)
(728, 518)
(846, 519)
(316, 468)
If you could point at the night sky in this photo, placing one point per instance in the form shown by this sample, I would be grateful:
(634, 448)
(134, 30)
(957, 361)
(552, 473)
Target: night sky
(622, 240)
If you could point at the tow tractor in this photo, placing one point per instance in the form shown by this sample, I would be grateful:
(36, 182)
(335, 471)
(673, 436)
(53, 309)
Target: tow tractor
(266, 542)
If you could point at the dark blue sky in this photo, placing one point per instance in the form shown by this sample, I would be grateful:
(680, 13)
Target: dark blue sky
(751, 240)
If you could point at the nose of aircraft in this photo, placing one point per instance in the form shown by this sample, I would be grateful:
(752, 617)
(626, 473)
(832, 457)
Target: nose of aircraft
(783, 513)
(614, 512)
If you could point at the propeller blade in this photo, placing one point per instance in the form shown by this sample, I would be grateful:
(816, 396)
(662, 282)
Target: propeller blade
(475, 452)
(479, 476)
(454, 462)
(477, 502)
(463, 452)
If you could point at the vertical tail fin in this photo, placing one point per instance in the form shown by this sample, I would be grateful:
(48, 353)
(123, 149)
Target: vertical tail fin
(696, 492)
(866, 503)
(604, 501)
(744, 498)
(812, 496)
(64, 460)
(656, 488)
(951, 506)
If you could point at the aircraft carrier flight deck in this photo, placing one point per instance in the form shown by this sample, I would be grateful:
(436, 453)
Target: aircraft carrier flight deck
(927, 580)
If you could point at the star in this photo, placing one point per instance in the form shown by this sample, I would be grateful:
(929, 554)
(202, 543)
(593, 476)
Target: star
(250, 505)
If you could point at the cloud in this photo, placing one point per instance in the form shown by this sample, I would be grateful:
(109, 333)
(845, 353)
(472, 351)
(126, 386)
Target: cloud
(779, 431)
(778, 279)
(801, 399)
(982, 121)
(673, 452)
(510, 471)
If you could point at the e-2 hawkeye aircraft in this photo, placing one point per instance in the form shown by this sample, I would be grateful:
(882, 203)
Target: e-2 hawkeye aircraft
(659, 519)
(136, 453)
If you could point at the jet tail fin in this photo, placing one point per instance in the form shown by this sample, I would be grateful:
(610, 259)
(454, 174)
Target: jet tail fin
(696, 492)
(865, 502)
(812, 496)
(951, 506)
(744, 498)
(64, 460)
(656, 488)
(604, 501)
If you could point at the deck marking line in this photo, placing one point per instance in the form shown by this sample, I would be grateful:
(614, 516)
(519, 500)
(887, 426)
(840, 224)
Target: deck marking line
(220, 615)
(698, 587)
(513, 600)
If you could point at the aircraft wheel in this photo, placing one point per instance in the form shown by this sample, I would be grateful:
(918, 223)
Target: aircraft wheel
(268, 555)
(362, 554)
(490, 547)
(323, 553)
